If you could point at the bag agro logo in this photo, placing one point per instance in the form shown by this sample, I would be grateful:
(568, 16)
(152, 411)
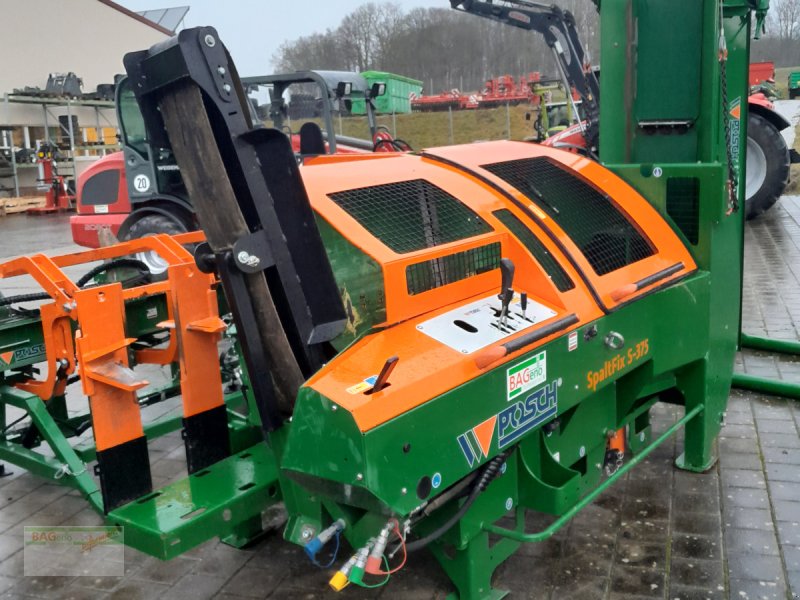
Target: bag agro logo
(526, 375)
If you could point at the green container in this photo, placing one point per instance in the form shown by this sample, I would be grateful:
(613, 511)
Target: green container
(396, 99)
(794, 84)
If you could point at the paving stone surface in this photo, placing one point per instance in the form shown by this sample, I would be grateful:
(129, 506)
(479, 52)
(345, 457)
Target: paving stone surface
(733, 532)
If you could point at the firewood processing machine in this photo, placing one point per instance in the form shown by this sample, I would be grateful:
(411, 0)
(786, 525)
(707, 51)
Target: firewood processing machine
(409, 350)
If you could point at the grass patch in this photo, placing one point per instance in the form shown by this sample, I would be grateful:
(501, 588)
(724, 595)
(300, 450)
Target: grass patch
(428, 130)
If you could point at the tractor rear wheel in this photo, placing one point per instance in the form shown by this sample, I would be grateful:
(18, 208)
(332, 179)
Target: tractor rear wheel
(767, 169)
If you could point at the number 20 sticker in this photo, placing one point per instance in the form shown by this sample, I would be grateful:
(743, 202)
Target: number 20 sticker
(141, 183)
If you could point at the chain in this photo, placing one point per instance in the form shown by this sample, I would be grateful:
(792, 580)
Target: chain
(65, 470)
(733, 194)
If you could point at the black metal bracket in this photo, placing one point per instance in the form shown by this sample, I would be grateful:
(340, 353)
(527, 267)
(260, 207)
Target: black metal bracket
(260, 173)
(252, 253)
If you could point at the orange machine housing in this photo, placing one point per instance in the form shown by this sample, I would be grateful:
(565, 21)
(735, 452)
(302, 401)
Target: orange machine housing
(512, 190)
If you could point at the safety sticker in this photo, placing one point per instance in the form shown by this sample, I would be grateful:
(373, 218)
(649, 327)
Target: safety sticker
(362, 386)
(6, 357)
(526, 375)
(572, 341)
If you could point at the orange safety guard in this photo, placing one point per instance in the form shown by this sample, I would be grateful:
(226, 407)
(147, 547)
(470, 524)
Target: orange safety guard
(427, 368)
(342, 174)
(613, 288)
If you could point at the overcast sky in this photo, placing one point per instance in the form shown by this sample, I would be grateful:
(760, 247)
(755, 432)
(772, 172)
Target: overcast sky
(254, 29)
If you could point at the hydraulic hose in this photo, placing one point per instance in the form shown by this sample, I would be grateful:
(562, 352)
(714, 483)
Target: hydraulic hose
(488, 473)
(119, 263)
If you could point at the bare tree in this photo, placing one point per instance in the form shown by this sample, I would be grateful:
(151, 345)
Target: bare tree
(784, 19)
(443, 48)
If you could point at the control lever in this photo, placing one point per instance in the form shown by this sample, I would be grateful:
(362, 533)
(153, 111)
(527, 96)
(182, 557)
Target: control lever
(523, 304)
(383, 377)
(506, 291)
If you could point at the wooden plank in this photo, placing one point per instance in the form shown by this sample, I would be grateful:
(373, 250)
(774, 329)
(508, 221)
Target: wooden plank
(22, 204)
(220, 216)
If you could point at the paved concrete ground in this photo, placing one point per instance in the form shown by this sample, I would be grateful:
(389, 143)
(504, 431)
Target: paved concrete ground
(661, 533)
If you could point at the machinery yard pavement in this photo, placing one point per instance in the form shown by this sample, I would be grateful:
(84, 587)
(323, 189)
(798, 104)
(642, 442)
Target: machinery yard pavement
(661, 533)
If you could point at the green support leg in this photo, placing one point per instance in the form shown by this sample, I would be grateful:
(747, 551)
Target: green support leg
(66, 465)
(245, 533)
(471, 569)
(701, 432)
(639, 433)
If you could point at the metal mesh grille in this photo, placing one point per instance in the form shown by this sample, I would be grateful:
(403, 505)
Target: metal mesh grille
(683, 205)
(607, 239)
(431, 274)
(411, 215)
(559, 277)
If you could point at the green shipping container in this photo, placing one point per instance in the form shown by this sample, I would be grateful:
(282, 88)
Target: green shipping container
(396, 99)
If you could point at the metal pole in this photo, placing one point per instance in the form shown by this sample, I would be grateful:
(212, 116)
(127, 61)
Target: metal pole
(341, 132)
(767, 386)
(450, 122)
(71, 139)
(508, 121)
(394, 124)
(101, 139)
(568, 89)
(46, 124)
(11, 146)
(521, 536)
(772, 345)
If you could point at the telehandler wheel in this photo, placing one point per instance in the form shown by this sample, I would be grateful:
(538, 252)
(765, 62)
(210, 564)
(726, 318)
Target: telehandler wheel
(767, 169)
(153, 224)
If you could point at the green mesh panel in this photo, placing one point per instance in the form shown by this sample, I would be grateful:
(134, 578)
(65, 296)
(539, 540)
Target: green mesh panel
(431, 274)
(683, 205)
(550, 265)
(410, 215)
(605, 236)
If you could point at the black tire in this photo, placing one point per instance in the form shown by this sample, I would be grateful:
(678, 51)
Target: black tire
(774, 161)
(153, 224)
(792, 94)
